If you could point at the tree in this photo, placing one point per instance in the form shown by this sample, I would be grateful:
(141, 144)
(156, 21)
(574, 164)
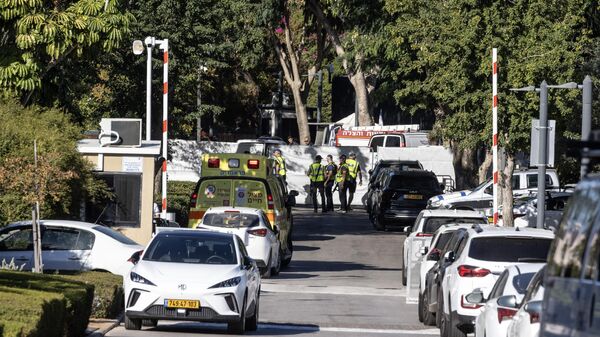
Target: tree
(61, 176)
(38, 35)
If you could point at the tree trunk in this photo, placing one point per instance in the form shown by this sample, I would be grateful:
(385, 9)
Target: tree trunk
(507, 192)
(464, 166)
(362, 96)
(301, 114)
(485, 166)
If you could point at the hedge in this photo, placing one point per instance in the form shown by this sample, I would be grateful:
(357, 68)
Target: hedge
(78, 296)
(31, 313)
(109, 298)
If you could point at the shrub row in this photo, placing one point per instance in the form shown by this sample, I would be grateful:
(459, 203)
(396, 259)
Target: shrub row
(43, 305)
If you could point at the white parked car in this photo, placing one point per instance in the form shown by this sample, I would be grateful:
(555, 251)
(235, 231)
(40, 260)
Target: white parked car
(68, 245)
(477, 263)
(192, 275)
(502, 304)
(427, 222)
(252, 226)
(526, 322)
(431, 256)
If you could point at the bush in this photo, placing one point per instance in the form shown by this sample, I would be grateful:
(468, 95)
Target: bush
(78, 295)
(108, 293)
(31, 313)
(179, 199)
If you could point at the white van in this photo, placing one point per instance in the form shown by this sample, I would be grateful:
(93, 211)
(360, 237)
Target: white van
(408, 139)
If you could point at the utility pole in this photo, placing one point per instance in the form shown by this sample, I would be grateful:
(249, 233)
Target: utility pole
(543, 147)
(37, 237)
(586, 121)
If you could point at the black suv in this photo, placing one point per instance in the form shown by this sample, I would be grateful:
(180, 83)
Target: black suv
(398, 196)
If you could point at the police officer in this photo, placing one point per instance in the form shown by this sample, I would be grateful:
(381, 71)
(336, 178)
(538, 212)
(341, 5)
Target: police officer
(354, 171)
(280, 168)
(316, 173)
(330, 172)
(341, 179)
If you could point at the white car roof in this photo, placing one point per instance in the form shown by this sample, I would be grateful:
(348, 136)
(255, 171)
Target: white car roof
(224, 209)
(525, 267)
(490, 231)
(65, 223)
(449, 213)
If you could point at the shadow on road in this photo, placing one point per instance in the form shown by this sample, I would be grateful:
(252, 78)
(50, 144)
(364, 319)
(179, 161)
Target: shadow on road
(264, 329)
(331, 266)
(305, 248)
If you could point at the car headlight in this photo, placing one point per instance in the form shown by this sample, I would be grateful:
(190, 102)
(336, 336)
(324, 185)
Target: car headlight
(135, 277)
(232, 282)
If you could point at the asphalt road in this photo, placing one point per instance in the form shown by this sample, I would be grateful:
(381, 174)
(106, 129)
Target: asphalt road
(344, 280)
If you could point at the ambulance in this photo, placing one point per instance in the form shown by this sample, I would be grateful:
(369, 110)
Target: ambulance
(245, 180)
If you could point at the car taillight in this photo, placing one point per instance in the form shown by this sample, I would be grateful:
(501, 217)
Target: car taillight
(402, 144)
(270, 204)
(534, 317)
(253, 164)
(258, 232)
(468, 305)
(470, 271)
(505, 313)
(423, 235)
(193, 200)
(214, 162)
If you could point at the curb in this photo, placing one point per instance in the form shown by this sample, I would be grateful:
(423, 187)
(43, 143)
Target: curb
(104, 330)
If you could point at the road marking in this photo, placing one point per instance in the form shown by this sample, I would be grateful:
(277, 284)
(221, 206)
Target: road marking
(316, 328)
(331, 290)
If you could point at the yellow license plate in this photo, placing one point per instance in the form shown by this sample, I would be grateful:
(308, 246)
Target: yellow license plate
(183, 304)
(413, 196)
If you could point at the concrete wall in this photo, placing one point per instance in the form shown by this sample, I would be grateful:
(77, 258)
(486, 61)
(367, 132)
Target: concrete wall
(185, 164)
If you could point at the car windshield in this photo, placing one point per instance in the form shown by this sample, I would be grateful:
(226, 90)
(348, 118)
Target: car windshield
(521, 282)
(414, 183)
(433, 224)
(481, 186)
(510, 249)
(251, 148)
(191, 249)
(231, 220)
(115, 235)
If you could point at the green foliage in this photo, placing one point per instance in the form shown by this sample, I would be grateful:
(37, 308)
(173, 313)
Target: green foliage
(41, 33)
(109, 296)
(61, 175)
(78, 297)
(179, 193)
(31, 313)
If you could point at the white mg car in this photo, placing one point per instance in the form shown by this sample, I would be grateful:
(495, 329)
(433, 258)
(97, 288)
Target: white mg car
(192, 275)
(253, 228)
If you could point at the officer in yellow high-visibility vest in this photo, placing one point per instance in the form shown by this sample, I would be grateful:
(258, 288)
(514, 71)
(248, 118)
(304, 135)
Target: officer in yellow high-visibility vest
(353, 171)
(341, 180)
(316, 174)
(280, 168)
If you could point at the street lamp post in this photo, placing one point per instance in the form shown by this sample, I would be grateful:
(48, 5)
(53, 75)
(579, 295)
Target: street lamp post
(138, 49)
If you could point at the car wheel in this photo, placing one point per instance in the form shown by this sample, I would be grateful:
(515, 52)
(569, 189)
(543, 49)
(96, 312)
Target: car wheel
(150, 322)
(239, 326)
(379, 223)
(403, 272)
(266, 271)
(277, 268)
(286, 261)
(252, 323)
(439, 315)
(452, 330)
(428, 317)
(132, 324)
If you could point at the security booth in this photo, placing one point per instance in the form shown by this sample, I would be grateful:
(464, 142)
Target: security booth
(128, 166)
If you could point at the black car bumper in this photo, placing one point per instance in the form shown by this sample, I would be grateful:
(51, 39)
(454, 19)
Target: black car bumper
(401, 215)
(200, 315)
(464, 323)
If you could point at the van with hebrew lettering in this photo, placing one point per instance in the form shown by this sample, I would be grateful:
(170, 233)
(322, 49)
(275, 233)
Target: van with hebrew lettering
(245, 180)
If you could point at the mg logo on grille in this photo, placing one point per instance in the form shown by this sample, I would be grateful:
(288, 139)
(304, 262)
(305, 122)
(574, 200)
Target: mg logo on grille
(182, 287)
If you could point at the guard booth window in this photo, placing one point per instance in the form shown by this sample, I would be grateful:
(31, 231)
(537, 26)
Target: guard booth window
(125, 209)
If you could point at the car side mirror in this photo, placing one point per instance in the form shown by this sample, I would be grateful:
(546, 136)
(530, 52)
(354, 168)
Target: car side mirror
(533, 307)
(293, 193)
(423, 251)
(434, 255)
(407, 229)
(248, 263)
(449, 256)
(370, 171)
(475, 297)
(508, 301)
(135, 257)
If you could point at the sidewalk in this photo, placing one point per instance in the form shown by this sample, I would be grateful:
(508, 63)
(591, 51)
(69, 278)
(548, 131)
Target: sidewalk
(98, 327)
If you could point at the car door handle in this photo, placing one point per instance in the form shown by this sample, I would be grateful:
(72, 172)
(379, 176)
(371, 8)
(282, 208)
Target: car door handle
(22, 258)
(74, 258)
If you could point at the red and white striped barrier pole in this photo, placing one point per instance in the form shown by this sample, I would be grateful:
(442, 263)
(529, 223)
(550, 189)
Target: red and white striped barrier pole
(165, 47)
(495, 132)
